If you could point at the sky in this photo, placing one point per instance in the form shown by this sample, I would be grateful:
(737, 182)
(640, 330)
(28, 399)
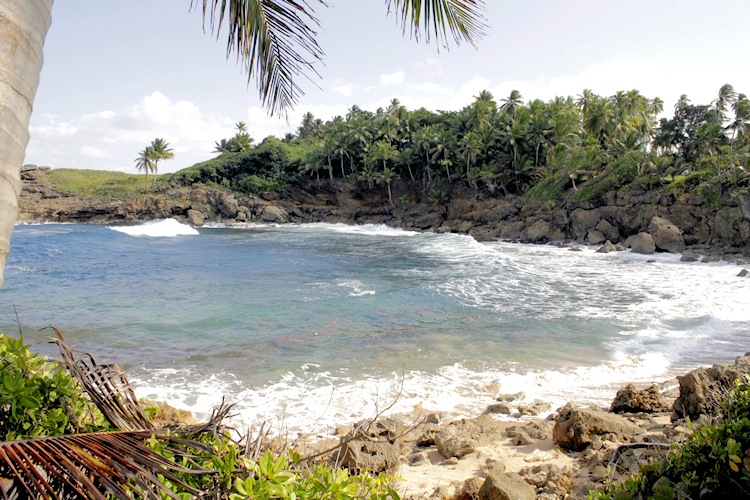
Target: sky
(118, 74)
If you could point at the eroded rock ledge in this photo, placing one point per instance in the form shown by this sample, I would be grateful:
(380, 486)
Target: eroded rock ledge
(644, 222)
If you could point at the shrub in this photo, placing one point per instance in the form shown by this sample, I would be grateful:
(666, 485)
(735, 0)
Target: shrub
(39, 398)
(713, 462)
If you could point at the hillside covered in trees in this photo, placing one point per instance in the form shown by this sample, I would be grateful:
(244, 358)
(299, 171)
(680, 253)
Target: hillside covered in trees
(501, 147)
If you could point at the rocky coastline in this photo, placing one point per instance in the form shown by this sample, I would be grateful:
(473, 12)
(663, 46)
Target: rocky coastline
(571, 452)
(644, 222)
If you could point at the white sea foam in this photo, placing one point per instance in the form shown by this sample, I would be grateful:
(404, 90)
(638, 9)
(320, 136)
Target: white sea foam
(167, 228)
(311, 401)
(363, 229)
(356, 288)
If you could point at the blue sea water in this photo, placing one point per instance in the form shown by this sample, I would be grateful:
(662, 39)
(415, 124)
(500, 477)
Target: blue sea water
(305, 326)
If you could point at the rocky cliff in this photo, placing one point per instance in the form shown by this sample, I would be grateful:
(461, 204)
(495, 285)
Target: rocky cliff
(645, 222)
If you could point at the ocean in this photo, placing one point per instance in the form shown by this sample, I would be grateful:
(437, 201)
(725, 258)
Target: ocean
(309, 326)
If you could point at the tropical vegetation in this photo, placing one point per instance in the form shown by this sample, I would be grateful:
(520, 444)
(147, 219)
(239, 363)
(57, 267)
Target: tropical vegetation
(148, 159)
(75, 430)
(567, 148)
(714, 462)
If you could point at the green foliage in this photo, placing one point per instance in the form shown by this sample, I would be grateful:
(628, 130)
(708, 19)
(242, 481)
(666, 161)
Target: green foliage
(100, 183)
(38, 398)
(275, 477)
(713, 462)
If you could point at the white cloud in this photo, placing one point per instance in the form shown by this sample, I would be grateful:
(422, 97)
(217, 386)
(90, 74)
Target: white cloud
(95, 153)
(345, 90)
(429, 67)
(111, 139)
(396, 78)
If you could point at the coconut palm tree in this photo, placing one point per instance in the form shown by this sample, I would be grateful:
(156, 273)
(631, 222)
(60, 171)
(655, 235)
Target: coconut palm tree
(160, 151)
(274, 41)
(145, 160)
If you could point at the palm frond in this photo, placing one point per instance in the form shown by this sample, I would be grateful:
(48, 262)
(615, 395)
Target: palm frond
(274, 40)
(460, 19)
(90, 466)
(107, 386)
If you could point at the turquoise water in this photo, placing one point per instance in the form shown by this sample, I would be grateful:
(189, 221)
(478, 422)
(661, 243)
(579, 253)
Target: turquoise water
(334, 321)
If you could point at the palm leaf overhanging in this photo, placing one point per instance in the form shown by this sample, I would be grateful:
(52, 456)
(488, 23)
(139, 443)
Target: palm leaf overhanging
(460, 19)
(105, 464)
(275, 40)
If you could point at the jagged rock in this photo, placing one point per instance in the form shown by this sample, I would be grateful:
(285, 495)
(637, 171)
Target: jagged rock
(501, 408)
(743, 273)
(362, 454)
(169, 415)
(529, 433)
(196, 217)
(505, 486)
(641, 243)
(228, 205)
(534, 408)
(510, 397)
(595, 237)
(549, 479)
(429, 220)
(273, 213)
(629, 399)
(470, 489)
(575, 428)
(690, 255)
(607, 247)
(666, 235)
(425, 434)
(538, 231)
(610, 232)
(702, 390)
(463, 436)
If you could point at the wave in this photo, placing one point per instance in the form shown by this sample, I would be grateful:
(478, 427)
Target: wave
(312, 401)
(167, 228)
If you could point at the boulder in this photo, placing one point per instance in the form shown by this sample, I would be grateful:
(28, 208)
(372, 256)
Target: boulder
(538, 231)
(463, 436)
(666, 235)
(374, 456)
(429, 220)
(534, 408)
(607, 247)
(575, 428)
(703, 389)
(273, 213)
(169, 415)
(501, 408)
(535, 430)
(641, 243)
(228, 205)
(595, 236)
(610, 232)
(505, 486)
(511, 397)
(630, 399)
(196, 217)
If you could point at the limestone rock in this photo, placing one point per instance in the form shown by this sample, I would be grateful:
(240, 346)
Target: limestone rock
(607, 247)
(702, 390)
(273, 213)
(576, 427)
(501, 408)
(463, 436)
(510, 397)
(641, 243)
(666, 235)
(629, 399)
(534, 408)
(361, 454)
(470, 489)
(196, 217)
(595, 236)
(504, 486)
(529, 433)
(169, 415)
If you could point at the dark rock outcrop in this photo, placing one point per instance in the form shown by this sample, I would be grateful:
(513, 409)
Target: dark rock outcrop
(666, 236)
(630, 399)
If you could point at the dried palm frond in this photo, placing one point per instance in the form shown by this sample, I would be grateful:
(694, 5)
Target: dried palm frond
(107, 386)
(91, 466)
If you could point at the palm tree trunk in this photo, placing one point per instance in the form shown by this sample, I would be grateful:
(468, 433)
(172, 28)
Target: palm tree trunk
(23, 27)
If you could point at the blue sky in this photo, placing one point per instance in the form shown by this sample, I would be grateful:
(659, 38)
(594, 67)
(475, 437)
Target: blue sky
(120, 73)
